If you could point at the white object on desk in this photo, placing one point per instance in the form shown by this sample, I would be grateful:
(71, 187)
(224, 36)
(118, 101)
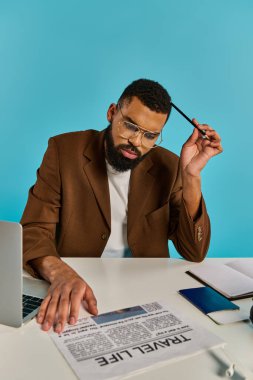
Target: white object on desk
(228, 279)
(224, 317)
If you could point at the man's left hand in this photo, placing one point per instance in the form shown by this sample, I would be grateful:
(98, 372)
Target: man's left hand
(197, 150)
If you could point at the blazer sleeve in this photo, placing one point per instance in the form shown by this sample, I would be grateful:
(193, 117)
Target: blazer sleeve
(41, 213)
(191, 238)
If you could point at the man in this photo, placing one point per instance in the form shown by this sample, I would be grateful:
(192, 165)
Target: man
(115, 193)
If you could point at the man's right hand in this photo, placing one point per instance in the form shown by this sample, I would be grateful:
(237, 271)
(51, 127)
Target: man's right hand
(65, 295)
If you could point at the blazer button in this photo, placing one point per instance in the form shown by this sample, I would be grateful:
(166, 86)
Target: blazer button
(200, 233)
(103, 236)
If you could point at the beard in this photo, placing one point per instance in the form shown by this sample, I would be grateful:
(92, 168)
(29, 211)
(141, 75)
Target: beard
(116, 158)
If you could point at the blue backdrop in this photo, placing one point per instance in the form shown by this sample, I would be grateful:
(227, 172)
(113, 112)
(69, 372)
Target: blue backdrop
(63, 62)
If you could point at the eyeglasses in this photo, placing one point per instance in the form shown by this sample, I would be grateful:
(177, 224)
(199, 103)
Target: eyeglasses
(128, 130)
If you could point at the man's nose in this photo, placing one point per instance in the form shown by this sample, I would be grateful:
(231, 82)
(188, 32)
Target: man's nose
(136, 140)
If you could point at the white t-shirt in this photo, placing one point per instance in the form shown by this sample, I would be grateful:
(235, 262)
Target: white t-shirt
(117, 245)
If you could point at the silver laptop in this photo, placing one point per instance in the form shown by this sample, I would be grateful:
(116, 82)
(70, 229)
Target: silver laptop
(20, 296)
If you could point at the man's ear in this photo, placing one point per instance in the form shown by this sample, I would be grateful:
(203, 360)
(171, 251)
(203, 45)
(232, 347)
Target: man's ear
(111, 112)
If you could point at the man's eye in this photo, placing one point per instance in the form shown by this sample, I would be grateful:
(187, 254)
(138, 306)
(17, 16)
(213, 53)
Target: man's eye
(150, 136)
(131, 127)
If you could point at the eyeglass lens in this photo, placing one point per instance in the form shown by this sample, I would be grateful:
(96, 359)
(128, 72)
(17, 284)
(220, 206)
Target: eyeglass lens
(129, 130)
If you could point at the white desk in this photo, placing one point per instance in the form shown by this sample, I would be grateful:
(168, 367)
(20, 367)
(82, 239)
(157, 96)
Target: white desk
(28, 353)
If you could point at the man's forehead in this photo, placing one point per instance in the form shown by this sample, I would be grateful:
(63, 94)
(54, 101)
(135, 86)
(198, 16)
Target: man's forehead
(142, 115)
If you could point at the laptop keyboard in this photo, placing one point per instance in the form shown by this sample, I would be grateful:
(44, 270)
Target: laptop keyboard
(30, 303)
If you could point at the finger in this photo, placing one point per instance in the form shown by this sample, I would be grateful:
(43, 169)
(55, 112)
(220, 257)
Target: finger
(51, 312)
(91, 301)
(75, 302)
(43, 308)
(63, 309)
(195, 121)
(217, 146)
(213, 135)
(206, 127)
(202, 137)
(202, 126)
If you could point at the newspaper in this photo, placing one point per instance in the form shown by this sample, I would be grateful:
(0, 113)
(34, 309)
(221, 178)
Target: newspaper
(111, 345)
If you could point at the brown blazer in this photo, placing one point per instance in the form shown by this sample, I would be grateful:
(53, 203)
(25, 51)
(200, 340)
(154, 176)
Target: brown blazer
(68, 209)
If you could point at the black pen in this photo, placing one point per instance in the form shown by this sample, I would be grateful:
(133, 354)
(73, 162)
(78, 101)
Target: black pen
(203, 132)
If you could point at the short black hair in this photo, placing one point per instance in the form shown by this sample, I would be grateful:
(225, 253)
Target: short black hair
(150, 93)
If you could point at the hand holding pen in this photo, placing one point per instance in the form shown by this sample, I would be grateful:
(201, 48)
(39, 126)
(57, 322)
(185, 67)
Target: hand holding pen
(203, 144)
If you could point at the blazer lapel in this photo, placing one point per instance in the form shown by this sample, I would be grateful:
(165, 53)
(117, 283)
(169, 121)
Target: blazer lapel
(141, 184)
(95, 169)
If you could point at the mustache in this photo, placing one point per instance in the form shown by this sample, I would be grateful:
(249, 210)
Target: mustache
(129, 147)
